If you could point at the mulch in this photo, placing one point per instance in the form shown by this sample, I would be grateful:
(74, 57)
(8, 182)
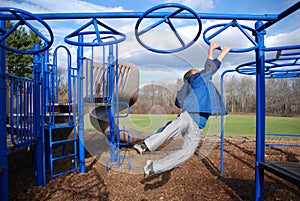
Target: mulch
(197, 179)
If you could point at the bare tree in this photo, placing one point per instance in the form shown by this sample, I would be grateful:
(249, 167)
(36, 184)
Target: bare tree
(282, 96)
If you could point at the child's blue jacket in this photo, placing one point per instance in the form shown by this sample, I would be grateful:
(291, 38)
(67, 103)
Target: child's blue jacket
(199, 94)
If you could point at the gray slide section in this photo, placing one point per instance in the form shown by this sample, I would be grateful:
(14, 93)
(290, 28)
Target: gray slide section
(128, 93)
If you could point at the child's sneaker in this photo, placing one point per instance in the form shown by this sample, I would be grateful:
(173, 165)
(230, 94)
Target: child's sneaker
(141, 148)
(148, 168)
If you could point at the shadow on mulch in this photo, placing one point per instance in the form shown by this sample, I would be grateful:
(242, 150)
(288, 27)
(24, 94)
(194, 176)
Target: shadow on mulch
(165, 177)
(237, 182)
(240, 188)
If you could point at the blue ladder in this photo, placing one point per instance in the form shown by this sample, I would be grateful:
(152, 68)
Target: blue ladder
(57, 135)
(54, 132)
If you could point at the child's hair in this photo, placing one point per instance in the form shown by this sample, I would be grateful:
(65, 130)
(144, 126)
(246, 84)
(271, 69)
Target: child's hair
(189, 73)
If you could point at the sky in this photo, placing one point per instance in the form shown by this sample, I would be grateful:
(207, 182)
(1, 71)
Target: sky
(155, 66)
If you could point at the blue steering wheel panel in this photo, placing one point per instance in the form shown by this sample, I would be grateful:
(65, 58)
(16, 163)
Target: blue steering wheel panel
(167, 20)
(18, 13)
(242, 28)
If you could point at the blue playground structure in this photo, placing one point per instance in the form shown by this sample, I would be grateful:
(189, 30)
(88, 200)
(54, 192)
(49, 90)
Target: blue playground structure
(284, 64)
(32, 114)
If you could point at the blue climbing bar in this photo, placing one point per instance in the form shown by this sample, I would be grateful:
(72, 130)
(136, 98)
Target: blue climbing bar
(111, 105)
(37, 117)
(80, 105)
(222, 123)
(260, 115)
(3, 142)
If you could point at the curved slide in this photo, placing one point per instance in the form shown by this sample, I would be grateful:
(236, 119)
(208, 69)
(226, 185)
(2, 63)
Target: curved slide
(128, 93)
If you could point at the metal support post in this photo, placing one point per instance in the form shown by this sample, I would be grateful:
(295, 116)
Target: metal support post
(80, 105)
(37, 116)
(112, 104)
(222, 123)
(260, 114)
(3, 142)
(44, 103)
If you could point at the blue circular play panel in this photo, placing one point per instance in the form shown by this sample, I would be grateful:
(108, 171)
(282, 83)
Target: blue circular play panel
(178, 8)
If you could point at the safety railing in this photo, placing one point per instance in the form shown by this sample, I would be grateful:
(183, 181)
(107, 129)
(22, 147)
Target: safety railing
(20, 122)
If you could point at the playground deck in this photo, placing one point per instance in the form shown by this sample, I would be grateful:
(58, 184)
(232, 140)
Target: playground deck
(288, 170)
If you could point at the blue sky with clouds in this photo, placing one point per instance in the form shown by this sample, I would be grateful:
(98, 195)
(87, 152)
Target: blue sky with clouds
(157, 66)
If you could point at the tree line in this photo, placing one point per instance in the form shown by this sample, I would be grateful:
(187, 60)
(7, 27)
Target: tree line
(21, 64)
(282, 96)
(21, 39)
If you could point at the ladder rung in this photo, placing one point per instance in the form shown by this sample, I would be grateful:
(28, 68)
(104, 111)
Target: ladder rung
(64, 172)
(63, 141)
(56, 114)
(63, 157)
(58, 126)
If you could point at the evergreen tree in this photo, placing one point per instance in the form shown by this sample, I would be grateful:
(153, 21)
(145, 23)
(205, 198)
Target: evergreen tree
(20, 64)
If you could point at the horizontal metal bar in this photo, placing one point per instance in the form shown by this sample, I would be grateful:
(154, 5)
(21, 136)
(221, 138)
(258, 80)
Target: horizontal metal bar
(60, 114)
(282, 145)
(63, 141)
(281, 15)
(60, 16)
(291, 47)
(63, 157)
(64, 172)
(282, 135)
(59, 126)
(24, 79)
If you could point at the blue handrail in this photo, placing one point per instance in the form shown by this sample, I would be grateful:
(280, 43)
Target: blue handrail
(21, 111)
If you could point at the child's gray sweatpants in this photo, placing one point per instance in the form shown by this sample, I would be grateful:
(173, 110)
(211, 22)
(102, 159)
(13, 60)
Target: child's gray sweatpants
(191, 133)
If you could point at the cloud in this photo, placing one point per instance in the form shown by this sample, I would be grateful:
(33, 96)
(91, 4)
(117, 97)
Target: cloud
(194, 56)
(132, 51)
(63, 27)
(155, 73)
(57, 6)
(197, 5)
(284, 39)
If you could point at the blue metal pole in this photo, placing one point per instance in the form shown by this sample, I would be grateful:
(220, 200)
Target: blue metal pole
(70, 100)
(86, 95)
(260, 115)
(117, 113)
(80, 105)
(45, 96)
(112, 107)
(222, 123)
(60, 16)
(3, 142)
(37, 116)
(280, 16)
(92, 76)
(104, 77)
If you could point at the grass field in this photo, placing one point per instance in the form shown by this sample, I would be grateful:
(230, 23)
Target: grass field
(244, 125)
(235, 125)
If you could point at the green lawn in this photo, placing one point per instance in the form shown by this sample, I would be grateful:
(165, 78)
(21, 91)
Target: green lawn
(240, 125)
(244, 125)
(235, 125)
